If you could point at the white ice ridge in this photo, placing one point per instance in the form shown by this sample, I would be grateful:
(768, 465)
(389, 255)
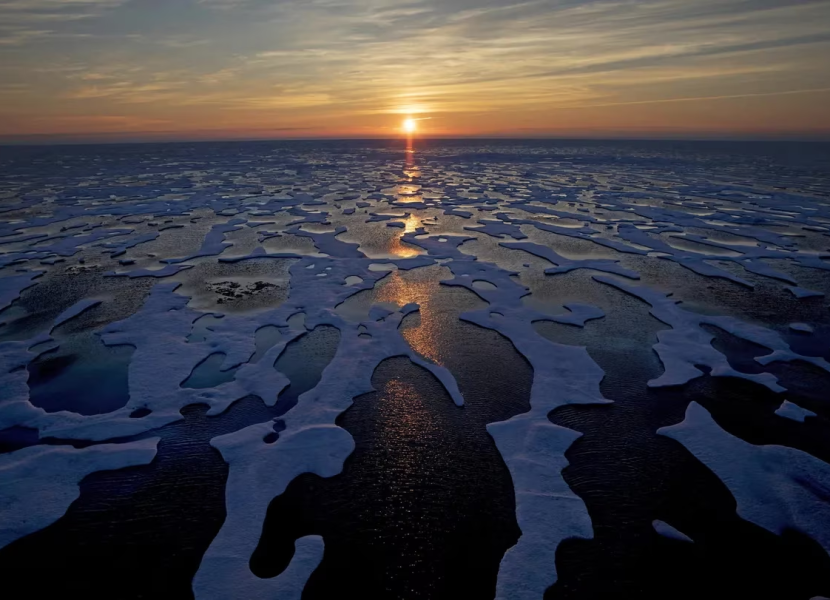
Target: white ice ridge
(10, 287)
(74, 310)
(497, 229)
(165, 271)
(533, 448)
(578, 315)
(69, 245)
(288, 585)
(310, 443)
(668, 531)
(564, 265)
(687, 344)
(120, 247)
(792, 411)
(38, 484)
(15, 408)
(775, 487)
(328, 243)
(800, 292)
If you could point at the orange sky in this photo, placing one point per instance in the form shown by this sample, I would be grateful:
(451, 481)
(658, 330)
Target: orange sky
(206, 69)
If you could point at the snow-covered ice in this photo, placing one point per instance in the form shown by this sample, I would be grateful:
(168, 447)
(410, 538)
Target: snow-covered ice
(775, 487)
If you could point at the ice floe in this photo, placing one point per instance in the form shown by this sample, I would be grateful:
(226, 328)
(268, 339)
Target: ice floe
(775, 487)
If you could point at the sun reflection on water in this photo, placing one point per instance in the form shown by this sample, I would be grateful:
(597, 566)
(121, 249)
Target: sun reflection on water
(411, 224)
(419, 288)
(400, 249)
(403, 421)
(403, 289)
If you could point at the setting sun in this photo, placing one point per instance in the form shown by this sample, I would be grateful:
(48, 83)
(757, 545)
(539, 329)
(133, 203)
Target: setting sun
(409, 125)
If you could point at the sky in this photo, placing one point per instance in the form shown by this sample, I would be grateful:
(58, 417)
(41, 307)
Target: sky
(123, 70)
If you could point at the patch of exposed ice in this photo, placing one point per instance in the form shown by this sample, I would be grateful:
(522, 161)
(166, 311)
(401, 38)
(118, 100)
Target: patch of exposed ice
(37, 484)
(578, 315)
(288, 585)
(120, 247)
(12, 286)
(775, 487)
(497, 229)
(74, 310)
(533, 448)
(790, 410)
(666, 530)
(800, 292)
(166, 271)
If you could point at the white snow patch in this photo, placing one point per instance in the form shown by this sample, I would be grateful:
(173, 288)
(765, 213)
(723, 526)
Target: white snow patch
(775, 487)
(790, 410)
(668, 531)
(38, 484)
(74, 310)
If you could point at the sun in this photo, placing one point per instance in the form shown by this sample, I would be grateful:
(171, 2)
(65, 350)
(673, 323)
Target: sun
(409, 125)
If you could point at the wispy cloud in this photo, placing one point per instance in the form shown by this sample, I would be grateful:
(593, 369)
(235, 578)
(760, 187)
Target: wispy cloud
(19, 11)
(706, 98)
(26, 21)
(357, 63)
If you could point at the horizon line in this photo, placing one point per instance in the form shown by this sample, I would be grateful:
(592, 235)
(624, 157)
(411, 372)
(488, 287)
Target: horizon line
(35, 140)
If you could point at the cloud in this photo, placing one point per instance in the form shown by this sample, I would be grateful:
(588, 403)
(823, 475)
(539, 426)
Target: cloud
(24, 21)
(357, 60)
(706, 98)
(53, 10)
(15, 36)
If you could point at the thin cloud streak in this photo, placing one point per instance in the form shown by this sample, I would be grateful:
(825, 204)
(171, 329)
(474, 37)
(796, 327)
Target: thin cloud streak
(703, 98)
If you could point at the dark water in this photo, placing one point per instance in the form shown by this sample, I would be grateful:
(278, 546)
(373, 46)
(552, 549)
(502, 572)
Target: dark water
(423, 508)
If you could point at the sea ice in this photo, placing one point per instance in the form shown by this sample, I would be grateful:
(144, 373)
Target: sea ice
(38, 484)
(668, 531)
(790, 410)
(776, 487)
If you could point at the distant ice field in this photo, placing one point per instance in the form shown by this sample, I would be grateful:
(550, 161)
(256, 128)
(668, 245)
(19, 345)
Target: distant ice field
(445, 369)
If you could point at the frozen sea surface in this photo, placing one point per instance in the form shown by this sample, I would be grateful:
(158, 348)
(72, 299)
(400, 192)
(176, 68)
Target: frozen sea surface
(458, 369)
